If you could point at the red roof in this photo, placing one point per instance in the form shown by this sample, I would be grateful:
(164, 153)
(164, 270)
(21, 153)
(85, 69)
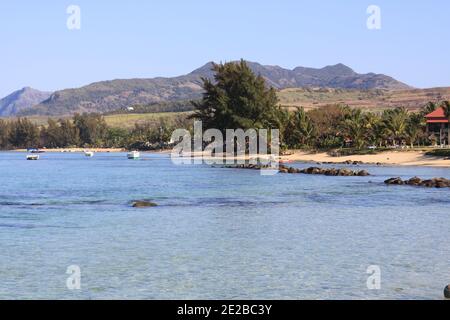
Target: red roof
(438, 113)
(437, 116)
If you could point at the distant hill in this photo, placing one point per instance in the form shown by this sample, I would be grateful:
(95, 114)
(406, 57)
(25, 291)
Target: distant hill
(107, 96)
(374, 99)
(21, 101)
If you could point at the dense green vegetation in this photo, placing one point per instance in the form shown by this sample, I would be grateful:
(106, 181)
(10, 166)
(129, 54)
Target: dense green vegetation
(240, 99)
(235, 98)
(86, 130)
(439, 153)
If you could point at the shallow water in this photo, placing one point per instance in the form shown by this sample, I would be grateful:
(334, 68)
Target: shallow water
(217, 233)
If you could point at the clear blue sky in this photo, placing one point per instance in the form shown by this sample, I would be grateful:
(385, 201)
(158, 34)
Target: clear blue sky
(127, 39)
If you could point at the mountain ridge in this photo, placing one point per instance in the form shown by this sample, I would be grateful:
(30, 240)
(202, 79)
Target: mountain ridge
(110, 95)
(21, 100)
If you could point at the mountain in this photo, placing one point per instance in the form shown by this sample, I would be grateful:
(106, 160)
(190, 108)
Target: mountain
(21, 101)
(112, 95)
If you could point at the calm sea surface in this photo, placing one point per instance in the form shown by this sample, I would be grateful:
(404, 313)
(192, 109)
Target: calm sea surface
(217, 233)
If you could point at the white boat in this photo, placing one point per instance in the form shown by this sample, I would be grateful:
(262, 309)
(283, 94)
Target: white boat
(32, 157)
(89, 153)
(133, 155)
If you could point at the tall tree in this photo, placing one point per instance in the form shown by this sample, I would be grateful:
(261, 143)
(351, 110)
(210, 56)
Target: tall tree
(92, 128)
(414, 127)
(355, 126)
(395, 121)
(24, 134)
(237, 98)
(299, 130)
(4, 134)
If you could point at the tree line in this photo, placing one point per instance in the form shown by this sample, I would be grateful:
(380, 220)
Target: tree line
(86, 131)
(237, 98)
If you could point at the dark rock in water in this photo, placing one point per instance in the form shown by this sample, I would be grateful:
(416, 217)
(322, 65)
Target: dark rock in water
(292, 170)
(415, 181)
(378, 164)
(397, 181)
(284, 170)
(143, 204)
(427, 183)
(363, 173)
(345, 172)
(447, 292)
(334, 172)
(441, 183)
(331, 172)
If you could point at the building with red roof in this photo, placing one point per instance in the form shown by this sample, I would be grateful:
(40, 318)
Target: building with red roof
(437, 124)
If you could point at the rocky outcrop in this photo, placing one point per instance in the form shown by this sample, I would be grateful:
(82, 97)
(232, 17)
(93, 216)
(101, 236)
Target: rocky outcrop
(416, 181)
(143, 204)
(334, 172)
(311, 170)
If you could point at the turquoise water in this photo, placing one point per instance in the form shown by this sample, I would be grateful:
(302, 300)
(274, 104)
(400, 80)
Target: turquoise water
(217, 233)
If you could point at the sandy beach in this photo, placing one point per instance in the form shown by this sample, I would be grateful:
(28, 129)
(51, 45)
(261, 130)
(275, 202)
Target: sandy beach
(404, 158)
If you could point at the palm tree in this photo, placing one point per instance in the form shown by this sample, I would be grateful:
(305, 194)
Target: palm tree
(446, 107)
(414, 128)
(396, 121)
(300, 129)
(355, 126)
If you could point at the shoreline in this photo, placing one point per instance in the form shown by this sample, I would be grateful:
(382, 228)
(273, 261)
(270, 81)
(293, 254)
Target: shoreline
(392, 158)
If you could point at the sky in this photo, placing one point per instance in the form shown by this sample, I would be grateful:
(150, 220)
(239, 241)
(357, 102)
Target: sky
(144, 39)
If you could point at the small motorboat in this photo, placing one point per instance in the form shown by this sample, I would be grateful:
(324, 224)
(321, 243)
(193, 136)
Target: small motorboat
(133, 155)
(89, 153)
(33, 150)
(32, 157)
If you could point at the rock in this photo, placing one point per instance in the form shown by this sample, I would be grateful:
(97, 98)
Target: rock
(447, 292)
(378, 163)
(428, 183)
(415, 181)
(441, 183)
(312, 170)
(143, 204)
(292, 170)
(396, 181)
(284, 170)
(345, 172)
(331, 172)
(363, 173)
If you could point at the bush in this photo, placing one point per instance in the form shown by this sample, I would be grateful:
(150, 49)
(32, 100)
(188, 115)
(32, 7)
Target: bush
(439, 153)
(352, 152)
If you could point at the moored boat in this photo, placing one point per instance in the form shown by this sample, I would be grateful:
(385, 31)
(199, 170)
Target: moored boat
(32, 157)
(88, 153)
(133, 155)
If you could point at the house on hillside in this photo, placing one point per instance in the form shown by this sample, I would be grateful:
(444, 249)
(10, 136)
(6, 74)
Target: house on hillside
(437, 125)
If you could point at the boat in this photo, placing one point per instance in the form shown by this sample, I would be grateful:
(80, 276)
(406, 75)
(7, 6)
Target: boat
(89, 153)
(32, 157)
(33, 150)
(133, 155)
